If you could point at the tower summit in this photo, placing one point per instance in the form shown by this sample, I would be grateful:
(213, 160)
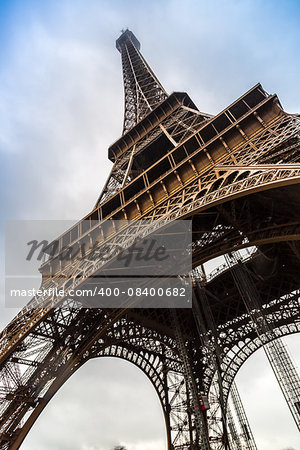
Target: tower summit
(142, 89)
(154, 122)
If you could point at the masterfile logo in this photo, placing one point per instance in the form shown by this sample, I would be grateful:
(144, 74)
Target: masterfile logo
(132, 264)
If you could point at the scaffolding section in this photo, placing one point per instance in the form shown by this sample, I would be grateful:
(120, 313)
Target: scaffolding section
(286, 374)
(274, 348)
(235, 441)
(248, 442)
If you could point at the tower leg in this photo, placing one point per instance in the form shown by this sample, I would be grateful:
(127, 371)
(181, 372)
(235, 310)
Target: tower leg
(205, 324)
(200, 422)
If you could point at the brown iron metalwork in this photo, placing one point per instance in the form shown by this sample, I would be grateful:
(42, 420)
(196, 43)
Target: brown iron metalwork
(236, 175)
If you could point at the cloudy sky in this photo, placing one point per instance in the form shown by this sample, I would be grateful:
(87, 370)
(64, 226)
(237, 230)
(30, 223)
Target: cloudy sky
(61, 106)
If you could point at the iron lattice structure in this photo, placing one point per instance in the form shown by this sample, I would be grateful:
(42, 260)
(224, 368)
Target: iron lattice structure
(236, 175)
(143, 91)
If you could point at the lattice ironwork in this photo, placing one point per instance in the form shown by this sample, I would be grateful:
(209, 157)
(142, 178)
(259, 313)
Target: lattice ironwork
(142, 89)
(246, 432)
(236, 175)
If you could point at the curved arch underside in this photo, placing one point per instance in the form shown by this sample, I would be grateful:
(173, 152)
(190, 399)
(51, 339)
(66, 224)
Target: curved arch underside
(146, 337)
(155, 352)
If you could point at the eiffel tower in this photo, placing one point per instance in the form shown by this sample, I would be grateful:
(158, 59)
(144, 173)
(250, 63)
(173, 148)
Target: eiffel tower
(236, 176)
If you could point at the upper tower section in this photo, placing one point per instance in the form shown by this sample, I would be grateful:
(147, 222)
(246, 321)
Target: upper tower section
(143, 92)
